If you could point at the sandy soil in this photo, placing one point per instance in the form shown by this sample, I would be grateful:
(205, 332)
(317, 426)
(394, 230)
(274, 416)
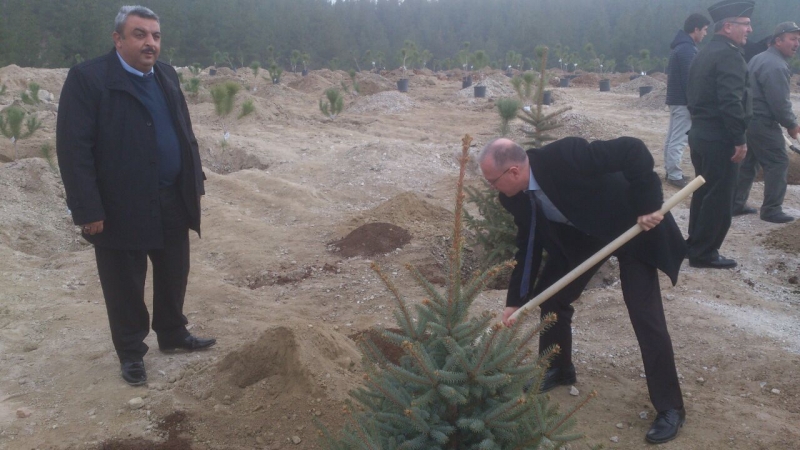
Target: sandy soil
(270, 280)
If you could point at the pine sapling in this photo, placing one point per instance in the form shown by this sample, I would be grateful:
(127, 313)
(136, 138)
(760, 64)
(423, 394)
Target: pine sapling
(461, 381)
(247, 108)
(507, 107)
(334, 104)
(224, 96)
(540, 122)
(11, 125)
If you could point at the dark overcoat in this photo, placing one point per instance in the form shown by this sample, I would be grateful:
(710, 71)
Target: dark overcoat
(602, 188)
(107, 153)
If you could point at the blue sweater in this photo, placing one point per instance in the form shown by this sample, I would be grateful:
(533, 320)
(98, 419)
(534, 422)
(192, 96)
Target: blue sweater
(169, 147)
(680, 58)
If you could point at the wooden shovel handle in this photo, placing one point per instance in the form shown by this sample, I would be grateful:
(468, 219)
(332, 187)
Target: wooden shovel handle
(607, 250)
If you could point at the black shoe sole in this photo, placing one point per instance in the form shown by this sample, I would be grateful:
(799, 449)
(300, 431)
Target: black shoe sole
(185, 350)
(705, 265)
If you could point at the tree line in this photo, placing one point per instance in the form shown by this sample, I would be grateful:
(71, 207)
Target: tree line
(344, 34)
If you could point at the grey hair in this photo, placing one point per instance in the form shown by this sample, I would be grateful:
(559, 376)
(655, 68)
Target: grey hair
(502, 153)
(135, 10)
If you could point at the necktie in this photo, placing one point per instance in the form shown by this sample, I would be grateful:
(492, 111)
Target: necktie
(524, 286)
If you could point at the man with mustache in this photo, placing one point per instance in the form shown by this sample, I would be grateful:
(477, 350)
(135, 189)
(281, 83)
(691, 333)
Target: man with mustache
(131, 170)
(772, 109)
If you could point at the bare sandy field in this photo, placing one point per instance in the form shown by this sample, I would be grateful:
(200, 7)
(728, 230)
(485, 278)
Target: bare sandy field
(283, 304)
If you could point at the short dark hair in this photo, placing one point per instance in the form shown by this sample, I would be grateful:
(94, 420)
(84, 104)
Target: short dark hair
(695, 21)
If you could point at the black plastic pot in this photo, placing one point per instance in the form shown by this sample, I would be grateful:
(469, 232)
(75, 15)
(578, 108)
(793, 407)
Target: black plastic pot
(564, 82)
(644, 90)
(605, 85)
(635, 76)
(547, 97)
(509, 73)
(466, 82)
(304, 72)
(402, 85)
(479, 91)
(212, 72)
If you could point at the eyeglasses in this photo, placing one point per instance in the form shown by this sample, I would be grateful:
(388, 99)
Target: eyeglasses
(492, 182)
(746, 24)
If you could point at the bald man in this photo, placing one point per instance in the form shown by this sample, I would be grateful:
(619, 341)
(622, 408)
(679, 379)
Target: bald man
(571, 198)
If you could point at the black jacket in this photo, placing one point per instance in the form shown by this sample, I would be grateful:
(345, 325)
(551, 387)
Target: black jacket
(601, 188)
(106, 147)
(719, 92)
(683, 50)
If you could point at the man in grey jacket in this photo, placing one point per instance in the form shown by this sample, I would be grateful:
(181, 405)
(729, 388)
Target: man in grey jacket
(772, 108)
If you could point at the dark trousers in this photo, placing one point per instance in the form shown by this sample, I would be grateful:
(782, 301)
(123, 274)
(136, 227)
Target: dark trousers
(642, 295)
(775, 162)
(712, 204)
(122, 277)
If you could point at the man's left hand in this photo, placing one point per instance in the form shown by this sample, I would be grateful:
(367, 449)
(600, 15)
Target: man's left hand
(650, 221)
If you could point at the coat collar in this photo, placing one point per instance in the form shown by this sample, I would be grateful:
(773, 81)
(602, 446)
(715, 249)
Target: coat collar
(118, 78)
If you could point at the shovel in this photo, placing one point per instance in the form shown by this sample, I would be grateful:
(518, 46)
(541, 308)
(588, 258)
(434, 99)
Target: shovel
(607, 250)
(791, 146)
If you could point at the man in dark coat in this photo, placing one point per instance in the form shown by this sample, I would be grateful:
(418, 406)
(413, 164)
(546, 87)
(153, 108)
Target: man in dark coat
(571, 198)
(720, 104)
(133, 179)
(683, 51)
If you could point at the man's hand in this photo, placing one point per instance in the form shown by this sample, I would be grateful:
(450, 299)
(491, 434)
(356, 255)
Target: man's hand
(92, 228)
(507, 320)
(650, 221)
(794, 132)
(738, 156)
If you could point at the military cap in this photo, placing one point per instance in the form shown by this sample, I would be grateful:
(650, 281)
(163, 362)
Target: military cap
(731, 8)
(785, 27)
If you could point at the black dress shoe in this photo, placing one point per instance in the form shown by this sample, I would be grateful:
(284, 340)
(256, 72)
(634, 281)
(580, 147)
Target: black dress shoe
(555, 377)
(778, 218)
(719, 263)
(680, 184)
(666, 426)
(189, 343)
(133, 373)
(745, 210)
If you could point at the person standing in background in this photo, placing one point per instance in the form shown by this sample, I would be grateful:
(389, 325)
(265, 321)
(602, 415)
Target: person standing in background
(720, 104)
(683, 51)
(772, 109)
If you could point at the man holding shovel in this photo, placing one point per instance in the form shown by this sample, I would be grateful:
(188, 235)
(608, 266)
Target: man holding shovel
(571, 198)
(772, 109)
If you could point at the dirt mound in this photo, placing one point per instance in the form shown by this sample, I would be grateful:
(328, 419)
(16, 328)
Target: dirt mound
(785, 238)
(793, 177)
(372, 239)
(633, 86)
(259, 389)
(497, 85)
(589, 128)
(311, 84)
(655, 99)
(587, 80)
(33, 214)
(230, 159)
(371, 83)
(411, 212)
(274, 354)
(389, 102)
(17, 79)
